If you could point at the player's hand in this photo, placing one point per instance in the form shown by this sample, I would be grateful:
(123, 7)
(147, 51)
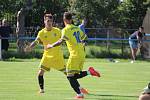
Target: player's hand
(27, 49)
(139, 45)
(49, 46)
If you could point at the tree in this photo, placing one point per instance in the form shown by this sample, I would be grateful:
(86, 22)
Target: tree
(56, 7)
(105, 13)
(10, 6)
(97, 11)
(130, 13)
(20, 29)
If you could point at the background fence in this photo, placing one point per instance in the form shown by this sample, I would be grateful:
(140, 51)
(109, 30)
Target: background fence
(102, 43)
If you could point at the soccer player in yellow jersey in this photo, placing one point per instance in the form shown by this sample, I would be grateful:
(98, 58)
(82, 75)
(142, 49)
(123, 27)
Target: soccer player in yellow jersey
(52, 58)
(74, 38)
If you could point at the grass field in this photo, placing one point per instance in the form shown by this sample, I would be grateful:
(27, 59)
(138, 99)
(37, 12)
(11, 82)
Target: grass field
(119, 81)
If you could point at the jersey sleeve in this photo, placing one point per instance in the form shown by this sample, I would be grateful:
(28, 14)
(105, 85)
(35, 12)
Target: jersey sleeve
(37, 39)
(64, 35)
(83, 35)
(59, 32)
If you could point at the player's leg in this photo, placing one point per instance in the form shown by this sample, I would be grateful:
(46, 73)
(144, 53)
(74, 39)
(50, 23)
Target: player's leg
(72, 78)
(81, 74)
(75, 66)
(71, 70)
(41, 80)
(61, 66)
(75, 85)
(90, 71)
(76, 76)
(134, 52)
(44, 66)
(133, 46)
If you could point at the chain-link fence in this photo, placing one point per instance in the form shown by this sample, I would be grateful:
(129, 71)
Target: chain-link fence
(102, 42)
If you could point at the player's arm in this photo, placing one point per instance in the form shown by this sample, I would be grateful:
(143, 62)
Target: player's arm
(84, 38)
(139, 39)
(59, 42)
(33, 44)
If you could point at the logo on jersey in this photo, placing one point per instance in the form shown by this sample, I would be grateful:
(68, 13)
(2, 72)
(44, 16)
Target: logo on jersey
(45, 36)
(54, 34)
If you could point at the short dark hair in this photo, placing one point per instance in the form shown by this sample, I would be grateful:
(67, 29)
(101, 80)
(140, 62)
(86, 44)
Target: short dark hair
(67, 15)
(48, 15)
(141, 27)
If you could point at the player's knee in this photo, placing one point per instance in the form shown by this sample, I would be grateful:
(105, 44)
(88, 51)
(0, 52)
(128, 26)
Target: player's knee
(41, 72)
(70, 77)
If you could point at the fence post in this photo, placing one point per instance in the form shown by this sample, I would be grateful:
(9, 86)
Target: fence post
(108, 41)
(0, 49)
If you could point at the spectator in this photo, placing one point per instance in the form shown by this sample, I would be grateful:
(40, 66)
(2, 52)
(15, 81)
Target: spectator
(145, 94)
(135, 42)
(5, 31)
(83, 24)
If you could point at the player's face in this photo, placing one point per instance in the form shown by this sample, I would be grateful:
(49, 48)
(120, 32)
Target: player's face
(141, 30)
(48, 20)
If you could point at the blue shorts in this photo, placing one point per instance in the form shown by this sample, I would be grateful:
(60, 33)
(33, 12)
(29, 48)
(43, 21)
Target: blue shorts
(133, 43)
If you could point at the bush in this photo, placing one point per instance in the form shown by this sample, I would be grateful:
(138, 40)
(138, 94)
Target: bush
(15, 54)
(91, 52)
(101, 52)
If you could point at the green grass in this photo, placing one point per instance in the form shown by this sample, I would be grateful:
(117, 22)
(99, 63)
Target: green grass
(119, 81)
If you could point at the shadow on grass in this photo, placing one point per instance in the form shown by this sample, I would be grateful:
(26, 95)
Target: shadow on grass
(108, 97)
(98, 97)
(111, 95)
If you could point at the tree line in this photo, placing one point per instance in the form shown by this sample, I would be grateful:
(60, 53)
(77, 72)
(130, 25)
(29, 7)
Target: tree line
(100, 13)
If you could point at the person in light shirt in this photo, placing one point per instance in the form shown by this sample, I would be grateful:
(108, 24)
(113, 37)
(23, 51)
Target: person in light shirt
(146, 93)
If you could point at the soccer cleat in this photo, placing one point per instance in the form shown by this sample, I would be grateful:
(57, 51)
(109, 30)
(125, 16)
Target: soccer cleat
(93, 72)
(84, 91)
(79, 97)
(41, 91)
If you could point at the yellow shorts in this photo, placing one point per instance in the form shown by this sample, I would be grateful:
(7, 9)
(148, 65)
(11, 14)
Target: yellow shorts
(74, 65)
(56, 62)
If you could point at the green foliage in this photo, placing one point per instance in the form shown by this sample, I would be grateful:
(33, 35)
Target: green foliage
(100, 13)
(56, 7)
(105, 13)
(130, 14)
(10, 6)
(97, 11)
(15, 54)
(91, 52)
(102, 52)
(35, 16)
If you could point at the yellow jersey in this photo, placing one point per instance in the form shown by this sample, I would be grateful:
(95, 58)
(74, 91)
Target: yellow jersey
(50, 37)
(73, 36)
